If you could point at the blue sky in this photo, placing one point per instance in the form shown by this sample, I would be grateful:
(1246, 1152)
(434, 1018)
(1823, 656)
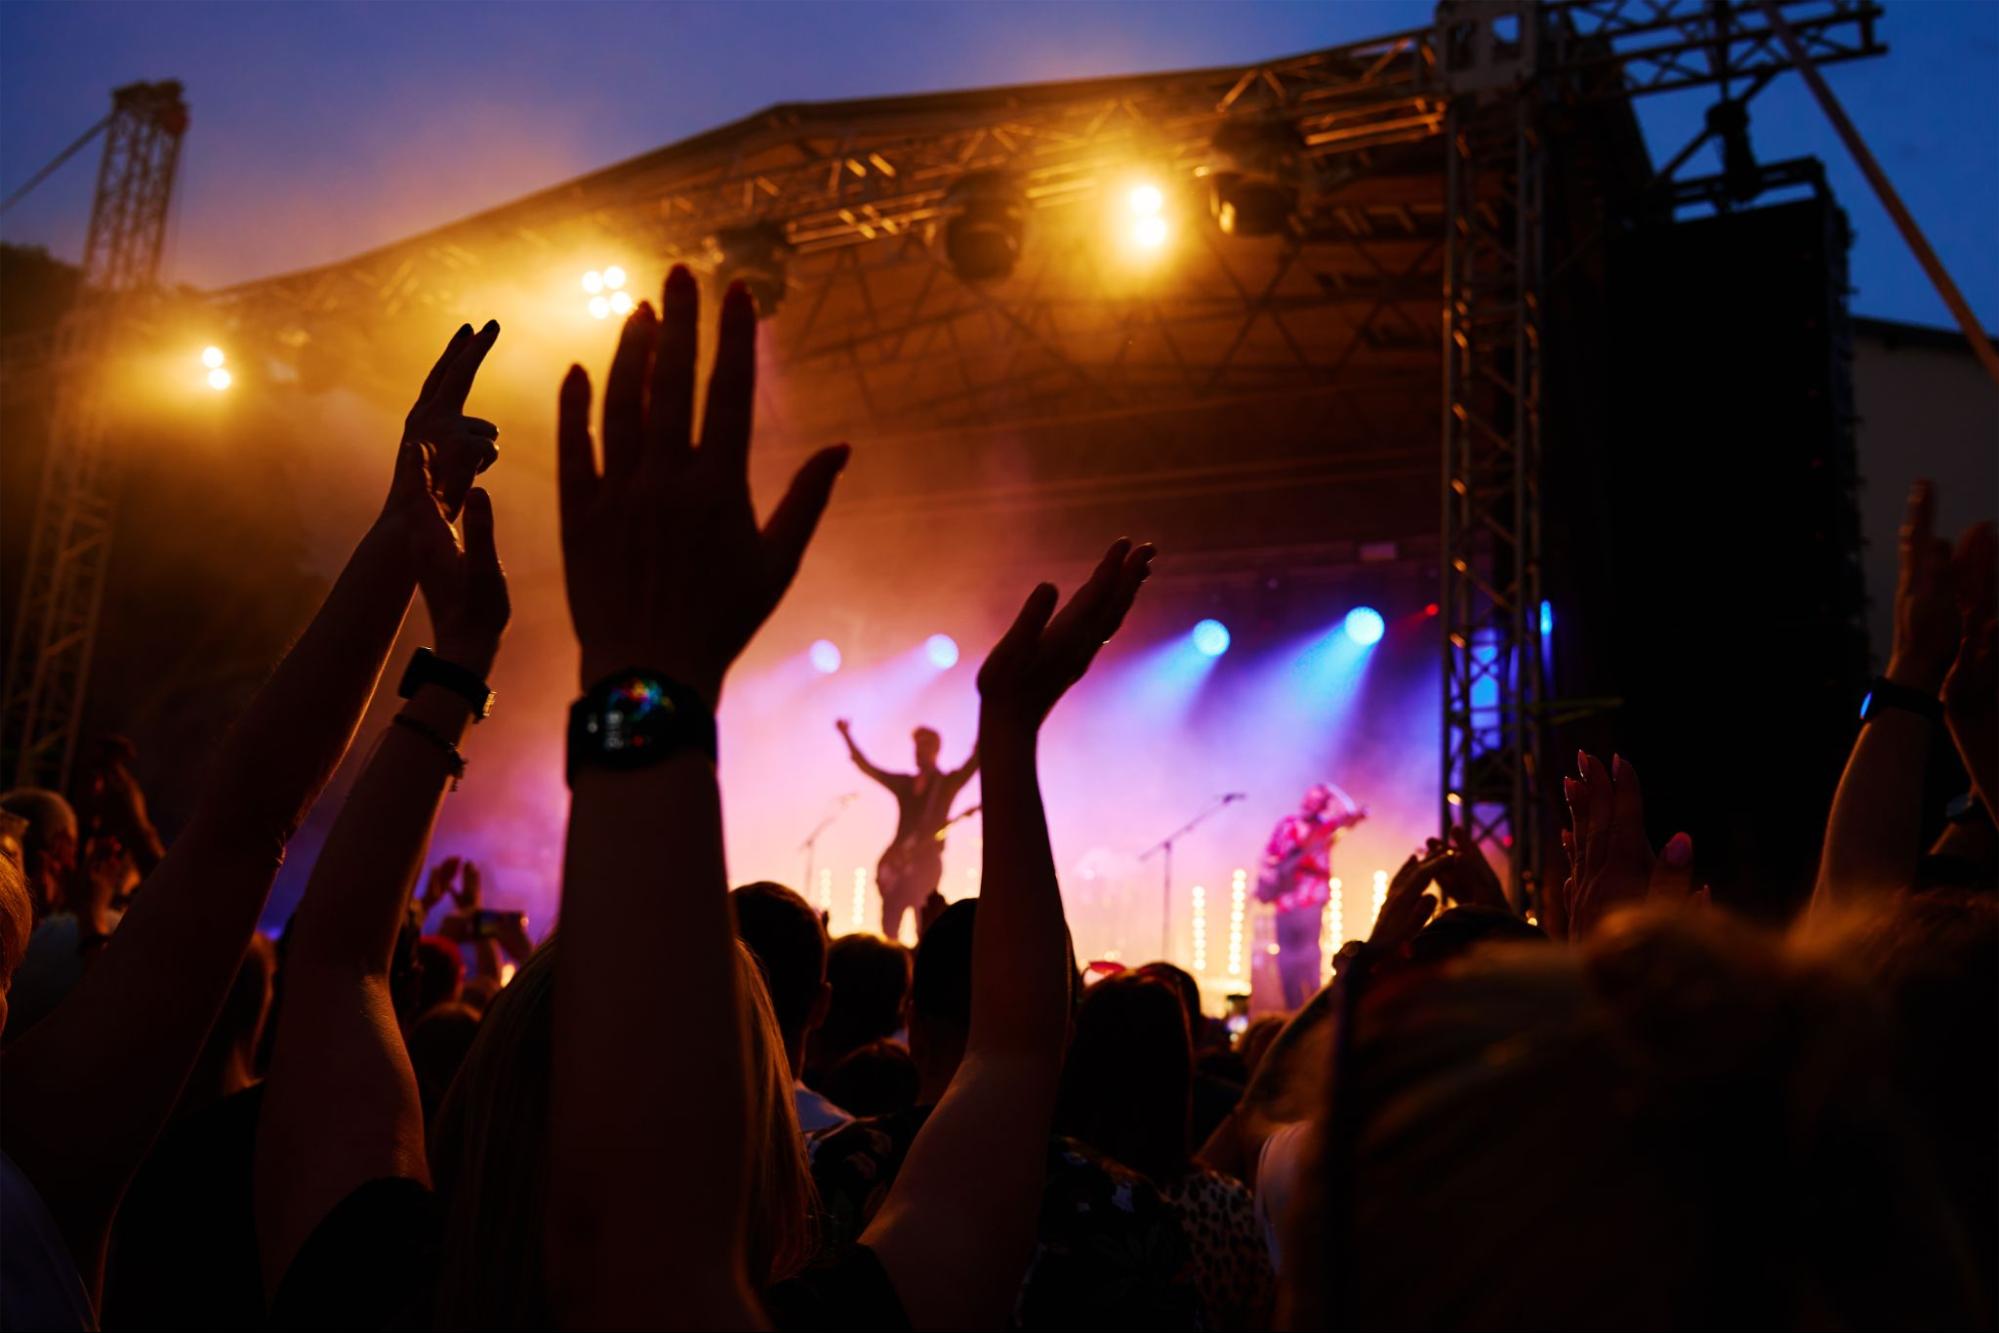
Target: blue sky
(320, 129)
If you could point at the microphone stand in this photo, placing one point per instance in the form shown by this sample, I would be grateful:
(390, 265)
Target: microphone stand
(1164, 850)
(811, 844)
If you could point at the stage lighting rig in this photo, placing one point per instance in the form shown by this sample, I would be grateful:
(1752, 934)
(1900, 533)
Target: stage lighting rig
(213, 360)
(606, 289)
(755, 255)
(988, 221)
(1253, 173)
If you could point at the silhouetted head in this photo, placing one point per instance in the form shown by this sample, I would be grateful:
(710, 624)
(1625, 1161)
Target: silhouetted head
(48, 845)
(1186, 988)
(928, 746)
(876, 1079)
(784, 933)
(940, 996)
(869, 977)
(440, 974)
(1127, 1088)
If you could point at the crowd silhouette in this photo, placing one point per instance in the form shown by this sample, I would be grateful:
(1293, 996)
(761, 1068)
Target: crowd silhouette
(1636, 1110)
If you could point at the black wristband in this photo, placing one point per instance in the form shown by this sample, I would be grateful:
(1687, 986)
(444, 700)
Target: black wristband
(427, 668)
(1885, 693)
(452, 758)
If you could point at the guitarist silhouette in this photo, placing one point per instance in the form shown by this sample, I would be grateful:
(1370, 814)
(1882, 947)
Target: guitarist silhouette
(1296, 866)
(909, 871)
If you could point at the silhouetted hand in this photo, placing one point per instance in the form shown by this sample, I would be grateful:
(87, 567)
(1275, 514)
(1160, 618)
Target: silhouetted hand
(441, 451)
(456, 447)
(1928, 622)
(465, 588)
(665, 565)
(1466, 877)
(437, 885)
(1038, 659)
(1408, 905)
(933, 907)
(844, 727)
(1611, 865)
(471, 891)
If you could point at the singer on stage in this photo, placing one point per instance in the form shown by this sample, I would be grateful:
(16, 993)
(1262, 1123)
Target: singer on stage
(1297, 866)
(909, 871)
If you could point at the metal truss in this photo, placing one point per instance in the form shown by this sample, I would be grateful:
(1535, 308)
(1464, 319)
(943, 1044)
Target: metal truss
(55, 623)
(1503, 65)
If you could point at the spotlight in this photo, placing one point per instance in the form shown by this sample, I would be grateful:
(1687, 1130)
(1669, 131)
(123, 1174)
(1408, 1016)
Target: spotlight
(1547, 617)
(1432, 609)
(220, 379)
(599, 308)
(825, 655)
(614, 277)
(942, 650)
(1253, 175)
(621, 303)
(1144, 219)
(1364, 625)
(212, 357)
(754, 255)
(593, 282)
(1211, 638)
(988, 220)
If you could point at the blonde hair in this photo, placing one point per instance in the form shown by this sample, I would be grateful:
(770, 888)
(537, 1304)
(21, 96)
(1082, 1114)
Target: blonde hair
(488, 1155)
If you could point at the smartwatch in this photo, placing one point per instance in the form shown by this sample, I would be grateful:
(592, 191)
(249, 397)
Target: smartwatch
(427, 668)
(1885, 693)
(635, 718)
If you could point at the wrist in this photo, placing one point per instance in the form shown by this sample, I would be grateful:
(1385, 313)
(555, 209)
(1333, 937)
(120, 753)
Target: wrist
(599, 666)
(1904, 671)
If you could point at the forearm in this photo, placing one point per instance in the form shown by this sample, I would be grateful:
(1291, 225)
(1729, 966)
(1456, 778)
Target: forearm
(354, 902)
(1873, 837)
(1020, 961)
(643, 872)
(287, 745)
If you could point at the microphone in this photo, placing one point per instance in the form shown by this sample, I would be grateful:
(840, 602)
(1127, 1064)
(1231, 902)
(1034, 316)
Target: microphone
(1234, 796)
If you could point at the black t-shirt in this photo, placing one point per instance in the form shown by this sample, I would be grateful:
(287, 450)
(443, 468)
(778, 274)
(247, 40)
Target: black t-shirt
(184, 1247)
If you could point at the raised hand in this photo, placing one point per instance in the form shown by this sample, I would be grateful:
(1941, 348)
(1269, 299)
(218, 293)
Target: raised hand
(844, 727)
(455, 447)
(666, 566)
(437, 885)
(471, 893)
(1408, 905)
(1611, 865)
(1971, 686)
(1467, 878)
(1927, 618)
(1038, 659)
(465, 588)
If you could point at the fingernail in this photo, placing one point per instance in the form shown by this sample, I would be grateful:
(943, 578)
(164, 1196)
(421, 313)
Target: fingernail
(1678, 851)
(1582, 763)
(1569, 789)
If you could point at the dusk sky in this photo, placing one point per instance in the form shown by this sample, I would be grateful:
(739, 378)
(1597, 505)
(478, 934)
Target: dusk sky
(320, 130)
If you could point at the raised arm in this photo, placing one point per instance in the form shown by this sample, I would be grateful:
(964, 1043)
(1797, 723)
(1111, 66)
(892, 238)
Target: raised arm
(668, 574)
(964, 772)
(341, 1106)
(90, 1087)
(881, 775)
(957, 1228)
(1971, 689)
(1873, 838)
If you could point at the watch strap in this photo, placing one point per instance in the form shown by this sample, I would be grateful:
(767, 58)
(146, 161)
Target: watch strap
(1884, 693)
(427, 668)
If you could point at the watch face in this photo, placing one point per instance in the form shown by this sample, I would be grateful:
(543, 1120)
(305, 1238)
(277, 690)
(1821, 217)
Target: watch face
(634, 708)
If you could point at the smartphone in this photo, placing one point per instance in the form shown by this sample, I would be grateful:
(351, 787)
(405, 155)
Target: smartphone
(1236, 1015)
(486, 924)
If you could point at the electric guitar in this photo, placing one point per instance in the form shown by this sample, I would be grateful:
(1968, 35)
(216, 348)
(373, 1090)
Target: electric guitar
(904, 855)
(1276, 876)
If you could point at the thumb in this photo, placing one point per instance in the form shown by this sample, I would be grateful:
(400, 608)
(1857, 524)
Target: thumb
(479, 548)
(1673, 872)
(796, 517)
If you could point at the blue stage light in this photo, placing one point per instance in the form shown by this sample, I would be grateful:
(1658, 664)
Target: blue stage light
(1547, 617)
(1364, 625)
(1211, 638)
(825, 655)
(942, 650)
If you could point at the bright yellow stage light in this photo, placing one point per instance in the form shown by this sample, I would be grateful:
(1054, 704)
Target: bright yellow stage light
(219, 379)
(212, 357)
(621, 303)
(593, 282)
(599, 308)
(614, 277)
(1146, 200)
(1149, 233)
